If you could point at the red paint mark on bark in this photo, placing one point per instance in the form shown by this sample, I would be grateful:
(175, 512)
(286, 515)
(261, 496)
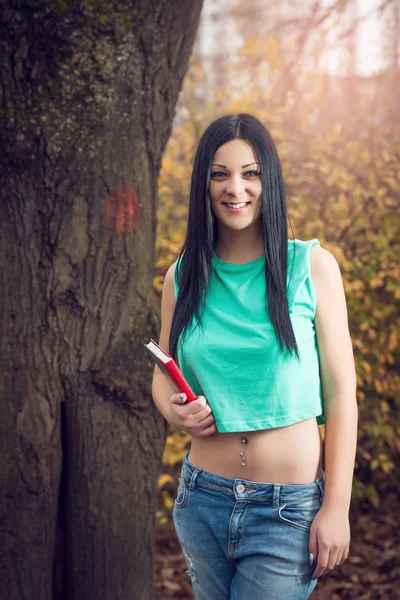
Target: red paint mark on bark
(122, 210)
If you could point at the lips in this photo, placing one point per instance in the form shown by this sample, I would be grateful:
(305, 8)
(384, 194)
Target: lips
(236, 207)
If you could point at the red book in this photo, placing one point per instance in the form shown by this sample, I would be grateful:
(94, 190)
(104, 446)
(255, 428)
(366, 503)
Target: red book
(169, 367)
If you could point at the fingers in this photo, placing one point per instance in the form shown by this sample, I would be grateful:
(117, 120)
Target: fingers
(203, 412)
(326, 562)
(344, 555)
(178, 399)
(193, 407)
(194, 417)
(207, 431)
(199, 405)
(203, 428)
(322, 563)
(312, 545)
(209, 420)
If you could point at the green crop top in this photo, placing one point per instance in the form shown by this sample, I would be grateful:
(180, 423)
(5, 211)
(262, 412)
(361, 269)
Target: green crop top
(235, 360)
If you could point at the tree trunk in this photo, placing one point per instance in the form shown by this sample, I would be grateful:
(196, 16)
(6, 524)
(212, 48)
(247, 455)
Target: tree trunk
(88, 91)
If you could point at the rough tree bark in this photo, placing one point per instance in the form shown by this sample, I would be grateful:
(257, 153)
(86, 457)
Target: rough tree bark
(87, 96)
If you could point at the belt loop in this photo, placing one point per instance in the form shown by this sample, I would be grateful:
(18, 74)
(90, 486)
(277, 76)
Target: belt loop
(275, 501)
(192, 483)
(321, 488)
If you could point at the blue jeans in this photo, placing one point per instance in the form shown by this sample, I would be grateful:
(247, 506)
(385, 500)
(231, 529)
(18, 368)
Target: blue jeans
(244, 540)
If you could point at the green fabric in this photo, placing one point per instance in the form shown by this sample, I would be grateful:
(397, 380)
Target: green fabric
(235, 360)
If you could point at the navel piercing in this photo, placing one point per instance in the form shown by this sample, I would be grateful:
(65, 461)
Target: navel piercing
(243, 453)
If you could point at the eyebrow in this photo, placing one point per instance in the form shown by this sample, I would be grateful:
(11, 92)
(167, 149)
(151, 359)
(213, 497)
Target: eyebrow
(243, 166)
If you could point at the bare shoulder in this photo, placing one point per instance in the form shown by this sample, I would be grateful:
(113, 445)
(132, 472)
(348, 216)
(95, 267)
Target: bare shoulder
(168, 303)
(325, 270)
(322, 261)
(169, 284)
(169, 275)
(328, 286)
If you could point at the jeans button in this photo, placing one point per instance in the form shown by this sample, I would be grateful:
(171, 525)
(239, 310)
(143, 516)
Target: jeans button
(240, 488)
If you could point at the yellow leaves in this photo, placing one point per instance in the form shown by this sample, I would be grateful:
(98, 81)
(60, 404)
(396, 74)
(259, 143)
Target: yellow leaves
(335, 133)
(344, 264)
(376, 281)
(387, 466)
(197, 70)
(167, 163)
(343, 203)
(272, 48)
(220, 94)
(163, 479)
(393, 183)
(378, 386)
(174, 168)
(252, 47)
(358, 343)
(337, 129)
(268, 49)
(158, 283)
(357, 285)
(385, 408)
(393, 340)
(366, 366)
(360, 380)
(176, 447)
(168, 502)
(383, 462)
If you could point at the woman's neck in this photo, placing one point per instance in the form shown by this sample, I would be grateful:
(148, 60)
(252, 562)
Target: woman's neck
(239, 246)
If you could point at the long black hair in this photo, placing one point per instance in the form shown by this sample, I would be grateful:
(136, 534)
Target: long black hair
(195, 258)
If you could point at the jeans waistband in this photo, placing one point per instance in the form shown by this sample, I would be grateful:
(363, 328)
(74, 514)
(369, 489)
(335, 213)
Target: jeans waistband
(245, 489)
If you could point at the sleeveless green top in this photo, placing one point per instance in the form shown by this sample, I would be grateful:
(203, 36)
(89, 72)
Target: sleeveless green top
(235, 361)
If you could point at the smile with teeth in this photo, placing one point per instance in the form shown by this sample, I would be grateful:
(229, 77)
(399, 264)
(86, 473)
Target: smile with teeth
(232, 205)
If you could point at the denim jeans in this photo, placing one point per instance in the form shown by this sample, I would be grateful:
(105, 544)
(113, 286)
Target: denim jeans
(244, 540)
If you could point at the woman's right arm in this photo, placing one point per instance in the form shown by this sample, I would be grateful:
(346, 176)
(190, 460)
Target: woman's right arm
(194, 417)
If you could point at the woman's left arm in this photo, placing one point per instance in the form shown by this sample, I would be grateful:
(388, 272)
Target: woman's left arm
(330, 530)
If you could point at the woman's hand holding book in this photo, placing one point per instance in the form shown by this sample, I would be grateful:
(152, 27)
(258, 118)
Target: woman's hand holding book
(193, 417)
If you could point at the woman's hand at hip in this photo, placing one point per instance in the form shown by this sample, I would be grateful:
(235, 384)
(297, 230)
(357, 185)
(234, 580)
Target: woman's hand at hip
(329, 538)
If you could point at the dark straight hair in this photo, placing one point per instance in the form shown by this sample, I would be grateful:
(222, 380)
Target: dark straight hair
(195, 258)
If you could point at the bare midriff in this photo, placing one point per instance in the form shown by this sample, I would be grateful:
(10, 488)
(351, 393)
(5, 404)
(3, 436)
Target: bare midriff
(287, 455)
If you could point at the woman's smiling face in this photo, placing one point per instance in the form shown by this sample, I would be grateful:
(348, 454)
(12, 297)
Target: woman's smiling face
(235, 185)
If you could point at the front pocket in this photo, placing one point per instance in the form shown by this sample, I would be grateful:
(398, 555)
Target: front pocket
(300, 514)
(182, 493)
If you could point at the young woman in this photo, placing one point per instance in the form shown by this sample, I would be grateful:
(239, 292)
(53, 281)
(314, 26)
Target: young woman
(258, 324)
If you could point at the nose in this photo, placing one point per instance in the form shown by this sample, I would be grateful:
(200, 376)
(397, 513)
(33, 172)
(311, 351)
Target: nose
(235, 186)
